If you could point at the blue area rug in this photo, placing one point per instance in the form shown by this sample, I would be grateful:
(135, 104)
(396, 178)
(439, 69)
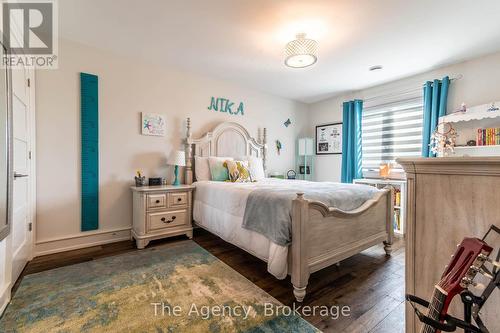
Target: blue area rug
(179, 287)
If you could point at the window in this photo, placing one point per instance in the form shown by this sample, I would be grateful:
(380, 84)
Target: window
(390, 131)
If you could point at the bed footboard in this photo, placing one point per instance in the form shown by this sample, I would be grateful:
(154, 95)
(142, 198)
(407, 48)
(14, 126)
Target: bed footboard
(322, 236)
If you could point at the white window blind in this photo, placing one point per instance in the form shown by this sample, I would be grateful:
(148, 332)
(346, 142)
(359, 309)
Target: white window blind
(390, 131)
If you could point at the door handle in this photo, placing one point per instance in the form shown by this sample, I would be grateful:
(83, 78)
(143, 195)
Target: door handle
(19, 175)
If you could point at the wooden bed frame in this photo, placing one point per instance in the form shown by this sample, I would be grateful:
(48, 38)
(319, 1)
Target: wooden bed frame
(321, 235)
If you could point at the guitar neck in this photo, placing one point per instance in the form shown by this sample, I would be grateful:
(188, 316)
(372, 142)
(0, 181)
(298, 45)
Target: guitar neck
(435, 309)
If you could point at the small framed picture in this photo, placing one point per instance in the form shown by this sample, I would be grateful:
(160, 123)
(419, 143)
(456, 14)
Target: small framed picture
(329, 139)
(153, 124)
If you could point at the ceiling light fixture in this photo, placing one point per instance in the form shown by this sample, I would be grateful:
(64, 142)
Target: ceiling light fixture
(301, 52)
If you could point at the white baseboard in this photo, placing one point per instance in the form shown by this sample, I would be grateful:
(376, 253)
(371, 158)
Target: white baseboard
(80, 241)
(4, 299)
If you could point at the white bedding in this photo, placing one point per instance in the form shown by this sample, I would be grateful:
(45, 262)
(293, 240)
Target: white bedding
(219, 207)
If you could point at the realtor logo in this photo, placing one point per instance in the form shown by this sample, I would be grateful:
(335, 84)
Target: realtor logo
(30, 34)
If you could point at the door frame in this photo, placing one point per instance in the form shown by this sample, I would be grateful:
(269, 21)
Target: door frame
(32, 158)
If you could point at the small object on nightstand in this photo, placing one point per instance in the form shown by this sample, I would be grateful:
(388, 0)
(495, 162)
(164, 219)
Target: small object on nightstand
(177, 159)
(471, 143)
(140, 180)
(161, 212)
(291, 174)
(155, 181)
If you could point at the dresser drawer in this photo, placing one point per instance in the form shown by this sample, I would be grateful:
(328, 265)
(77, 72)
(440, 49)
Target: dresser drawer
(179, 199)
(162, 220)
(157, 200)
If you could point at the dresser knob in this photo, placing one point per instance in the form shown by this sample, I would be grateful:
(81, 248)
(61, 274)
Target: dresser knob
(179, 199)
(157, 201)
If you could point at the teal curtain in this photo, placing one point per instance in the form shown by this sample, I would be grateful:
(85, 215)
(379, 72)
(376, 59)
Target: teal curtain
(351, 140)
(435, 101)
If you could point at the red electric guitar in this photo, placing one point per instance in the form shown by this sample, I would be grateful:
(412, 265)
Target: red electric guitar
(467, 261)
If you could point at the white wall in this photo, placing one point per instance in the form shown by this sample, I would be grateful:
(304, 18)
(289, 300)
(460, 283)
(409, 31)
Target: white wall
(127, 87)
(480, 84)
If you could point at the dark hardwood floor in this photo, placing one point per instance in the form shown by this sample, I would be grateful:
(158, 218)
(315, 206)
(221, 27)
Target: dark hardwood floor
(370, 283)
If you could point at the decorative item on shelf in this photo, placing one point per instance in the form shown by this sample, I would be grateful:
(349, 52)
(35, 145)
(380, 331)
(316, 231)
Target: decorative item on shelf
(279, 146)
(177, 159)
(463, 109)
(443, 142)
(471, 143)
(287, 123)
(155, 181)
(304, 170)
(153, 124)
(140, 180)
(384, 170)
(291, 174)
(492, 107)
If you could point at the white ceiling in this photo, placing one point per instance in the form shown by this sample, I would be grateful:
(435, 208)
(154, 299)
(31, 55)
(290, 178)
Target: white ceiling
(243, 40)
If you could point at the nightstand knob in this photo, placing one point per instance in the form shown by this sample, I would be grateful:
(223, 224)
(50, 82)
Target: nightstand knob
(179, 199)
(164, 220)
(157, 201)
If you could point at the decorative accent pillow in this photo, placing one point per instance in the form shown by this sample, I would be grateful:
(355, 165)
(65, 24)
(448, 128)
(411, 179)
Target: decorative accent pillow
(201, 168)
(256, 167)
(217, 169)
(238, 171)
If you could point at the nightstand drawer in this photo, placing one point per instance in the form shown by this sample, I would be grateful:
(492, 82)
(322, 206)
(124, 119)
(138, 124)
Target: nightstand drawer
(157, 200)
(163, 220)
(179, 199)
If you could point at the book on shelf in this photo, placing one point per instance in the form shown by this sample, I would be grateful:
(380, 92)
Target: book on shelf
(397, 220)
(397, 197)
(488, 136)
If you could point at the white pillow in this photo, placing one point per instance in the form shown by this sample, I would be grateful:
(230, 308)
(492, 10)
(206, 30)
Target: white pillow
(256, 167)
(201, 168)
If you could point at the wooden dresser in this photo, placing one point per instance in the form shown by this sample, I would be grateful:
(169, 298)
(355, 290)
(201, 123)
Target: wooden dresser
(448, 199)
(161, 211)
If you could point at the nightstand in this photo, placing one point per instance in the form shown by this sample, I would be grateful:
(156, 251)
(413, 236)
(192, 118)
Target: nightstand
(160, 212)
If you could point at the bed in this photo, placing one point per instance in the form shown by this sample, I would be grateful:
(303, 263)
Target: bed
(320, 235)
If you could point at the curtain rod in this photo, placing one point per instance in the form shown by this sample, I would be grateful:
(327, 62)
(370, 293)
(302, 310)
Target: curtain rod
(407, 91)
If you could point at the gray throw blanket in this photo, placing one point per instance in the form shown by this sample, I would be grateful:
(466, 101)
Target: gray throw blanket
(269, 208)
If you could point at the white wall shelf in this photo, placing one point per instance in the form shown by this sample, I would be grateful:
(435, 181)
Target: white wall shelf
(475, 113)
(466, 124)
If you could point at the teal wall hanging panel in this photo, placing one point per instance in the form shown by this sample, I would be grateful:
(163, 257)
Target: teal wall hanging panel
(89, 122)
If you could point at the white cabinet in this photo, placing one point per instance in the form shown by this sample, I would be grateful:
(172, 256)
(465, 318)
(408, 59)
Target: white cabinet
(160, 212)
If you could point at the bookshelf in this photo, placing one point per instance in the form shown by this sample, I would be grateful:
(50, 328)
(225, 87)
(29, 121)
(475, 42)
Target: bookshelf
(399, 199)
(467, 125)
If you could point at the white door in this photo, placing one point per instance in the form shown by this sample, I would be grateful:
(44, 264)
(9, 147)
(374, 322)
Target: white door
(21, 227)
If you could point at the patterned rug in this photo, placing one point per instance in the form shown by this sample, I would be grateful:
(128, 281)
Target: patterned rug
(179, 287)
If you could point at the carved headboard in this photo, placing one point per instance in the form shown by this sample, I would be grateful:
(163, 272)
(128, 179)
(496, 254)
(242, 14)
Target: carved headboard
(228, 139)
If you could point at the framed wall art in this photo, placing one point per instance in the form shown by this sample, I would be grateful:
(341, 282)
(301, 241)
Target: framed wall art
(153, 124)
(329, 139)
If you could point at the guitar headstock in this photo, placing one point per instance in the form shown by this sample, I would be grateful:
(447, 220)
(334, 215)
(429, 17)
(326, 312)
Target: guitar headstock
(464, 265)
